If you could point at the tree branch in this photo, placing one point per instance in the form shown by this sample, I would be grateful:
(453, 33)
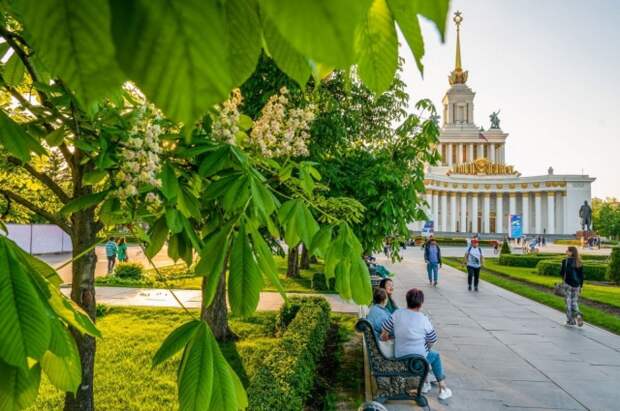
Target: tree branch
(43, 178)
(54, 219)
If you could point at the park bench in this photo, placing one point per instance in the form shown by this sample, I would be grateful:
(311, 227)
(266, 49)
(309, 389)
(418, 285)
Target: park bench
(395, 379)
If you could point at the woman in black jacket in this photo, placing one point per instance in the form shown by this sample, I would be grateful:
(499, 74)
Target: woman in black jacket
(572, 273)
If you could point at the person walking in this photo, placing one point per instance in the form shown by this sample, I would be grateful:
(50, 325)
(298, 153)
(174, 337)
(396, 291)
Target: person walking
(432, 258)
(122, 250)
(572, 273)
(110, 250)
(473, 260)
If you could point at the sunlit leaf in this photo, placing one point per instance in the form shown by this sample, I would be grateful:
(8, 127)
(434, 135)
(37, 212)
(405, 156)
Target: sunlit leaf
(16, 141)
(14, 71)
(18, 387)
(176, 341)
(244, 280)
(72, 37)
(377, 47)
(24, 327)
(61, 363)
(196, 371)
(322, 30)
(176, 52)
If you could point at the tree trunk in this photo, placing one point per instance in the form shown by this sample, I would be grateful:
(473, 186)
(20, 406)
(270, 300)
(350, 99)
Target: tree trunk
(216, 315)
(305, 258)
(293, 262)
(84, 235)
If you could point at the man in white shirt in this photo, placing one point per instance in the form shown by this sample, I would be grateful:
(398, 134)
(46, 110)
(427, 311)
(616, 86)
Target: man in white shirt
(413, 333)
(474, 260)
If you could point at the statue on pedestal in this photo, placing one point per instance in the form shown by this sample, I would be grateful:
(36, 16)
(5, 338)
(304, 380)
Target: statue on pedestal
(494, 119)
(585, 213)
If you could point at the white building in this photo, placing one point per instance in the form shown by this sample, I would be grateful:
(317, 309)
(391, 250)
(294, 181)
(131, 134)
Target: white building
(473, 190)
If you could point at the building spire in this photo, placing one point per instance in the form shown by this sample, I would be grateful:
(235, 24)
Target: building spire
(458, 76)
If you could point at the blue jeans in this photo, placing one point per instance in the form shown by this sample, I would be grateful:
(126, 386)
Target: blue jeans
(433, 271)
(434, 360)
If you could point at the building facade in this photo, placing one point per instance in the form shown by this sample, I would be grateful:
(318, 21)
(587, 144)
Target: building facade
(473, 190)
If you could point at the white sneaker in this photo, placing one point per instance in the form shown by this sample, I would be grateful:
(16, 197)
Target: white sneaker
(426, 387)
(445, 393)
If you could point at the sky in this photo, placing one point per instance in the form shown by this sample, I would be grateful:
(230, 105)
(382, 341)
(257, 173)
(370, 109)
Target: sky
(551, 66)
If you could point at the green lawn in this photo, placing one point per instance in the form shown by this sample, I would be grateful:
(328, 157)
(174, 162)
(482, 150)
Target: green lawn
(606, 294)
(592, 315)
(124, 379)
(179, 276)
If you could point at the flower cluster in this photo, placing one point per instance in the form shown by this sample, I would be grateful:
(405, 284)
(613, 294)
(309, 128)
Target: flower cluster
(140, 162)
(225, 126)
(281, 131)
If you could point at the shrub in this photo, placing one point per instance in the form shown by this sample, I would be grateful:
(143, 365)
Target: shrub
(613, 271)
(129, 271)
(287, 374)
(332, 283)
(101, 310)
(522, 260)
(505, 248)
(319, 282)
(289, 310)
(592, 270)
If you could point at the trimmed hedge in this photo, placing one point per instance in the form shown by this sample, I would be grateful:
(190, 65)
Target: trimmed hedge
(613, 271)
(522, 260)
(287, 375)
(531, 260)
(592, 270)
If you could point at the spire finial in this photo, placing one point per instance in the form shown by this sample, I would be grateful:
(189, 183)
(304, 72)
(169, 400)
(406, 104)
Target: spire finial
(458, 76)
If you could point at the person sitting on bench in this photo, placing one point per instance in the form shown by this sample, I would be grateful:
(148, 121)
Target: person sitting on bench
(413, 333)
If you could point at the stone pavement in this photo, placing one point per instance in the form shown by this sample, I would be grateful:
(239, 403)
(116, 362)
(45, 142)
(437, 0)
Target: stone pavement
(153, 297)
(505, 352)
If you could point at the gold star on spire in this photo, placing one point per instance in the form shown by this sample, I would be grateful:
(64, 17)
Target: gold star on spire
(458, 76)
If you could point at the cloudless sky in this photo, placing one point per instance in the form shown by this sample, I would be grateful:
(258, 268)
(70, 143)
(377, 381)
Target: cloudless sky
(551, 66)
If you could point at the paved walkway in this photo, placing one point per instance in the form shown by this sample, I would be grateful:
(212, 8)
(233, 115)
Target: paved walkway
(154, 297)
(505, 352)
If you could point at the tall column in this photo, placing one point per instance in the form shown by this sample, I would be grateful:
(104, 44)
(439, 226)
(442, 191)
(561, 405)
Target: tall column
(512, 206)
(503, 153)
(453, 212)
(486, 213)
(525, 205)
(550, 212)
(474, 212)
(429, 201)
(463, 212)
(440, 150)
(559, 212)
(459, 153)
(444, 211)
(492, 152)
(499, 212)
(436, 210)
(480, 150)
(537, 213)
(450, 146)
(565, 217)
(470, 153)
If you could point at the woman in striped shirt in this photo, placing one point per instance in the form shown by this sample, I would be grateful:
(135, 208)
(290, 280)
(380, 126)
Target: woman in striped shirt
(413, 333)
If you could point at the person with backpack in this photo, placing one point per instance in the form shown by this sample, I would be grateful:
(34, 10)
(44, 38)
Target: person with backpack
(474, 261)
(432, 258)
(572, 273)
